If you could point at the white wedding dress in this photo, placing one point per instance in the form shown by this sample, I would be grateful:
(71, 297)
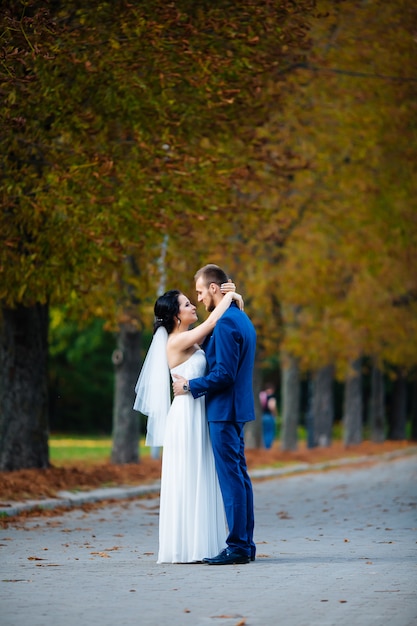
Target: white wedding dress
(192, 523)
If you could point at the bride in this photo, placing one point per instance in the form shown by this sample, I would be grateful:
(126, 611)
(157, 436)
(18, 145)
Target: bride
(192, 522)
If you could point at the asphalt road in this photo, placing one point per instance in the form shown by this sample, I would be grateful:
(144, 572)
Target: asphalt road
(334, 548)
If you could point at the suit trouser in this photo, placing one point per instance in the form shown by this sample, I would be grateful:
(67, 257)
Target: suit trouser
(227, 439)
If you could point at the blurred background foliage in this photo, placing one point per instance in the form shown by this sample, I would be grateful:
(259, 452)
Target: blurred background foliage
(278, 139)
(81, 376)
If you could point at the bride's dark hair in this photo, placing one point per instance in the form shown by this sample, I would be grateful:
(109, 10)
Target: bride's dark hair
(166, 309)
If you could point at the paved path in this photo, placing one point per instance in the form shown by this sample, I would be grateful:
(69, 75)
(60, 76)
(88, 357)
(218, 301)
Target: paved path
(334, 548)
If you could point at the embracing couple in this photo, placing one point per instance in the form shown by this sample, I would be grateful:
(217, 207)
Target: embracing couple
(206, 504)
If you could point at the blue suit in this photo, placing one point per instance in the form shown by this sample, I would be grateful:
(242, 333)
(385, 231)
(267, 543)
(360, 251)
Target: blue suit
(230, 353)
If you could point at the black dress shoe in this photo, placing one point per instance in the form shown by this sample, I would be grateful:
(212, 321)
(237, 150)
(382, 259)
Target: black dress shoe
(228, 557)
(252, 558)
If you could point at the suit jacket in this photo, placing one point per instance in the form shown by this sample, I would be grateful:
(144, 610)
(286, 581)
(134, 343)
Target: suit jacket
(230, 353)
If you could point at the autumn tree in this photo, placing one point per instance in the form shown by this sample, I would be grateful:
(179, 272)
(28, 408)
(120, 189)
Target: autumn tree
(232, 168)
(349, 263)
(123, 123)
(57, 226)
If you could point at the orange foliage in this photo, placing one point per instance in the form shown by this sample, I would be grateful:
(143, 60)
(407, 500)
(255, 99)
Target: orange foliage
(348, 280)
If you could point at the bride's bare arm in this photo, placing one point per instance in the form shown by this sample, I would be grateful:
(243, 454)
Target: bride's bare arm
(196, 335)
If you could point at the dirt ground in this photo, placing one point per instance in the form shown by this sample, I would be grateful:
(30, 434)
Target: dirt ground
(33, 483)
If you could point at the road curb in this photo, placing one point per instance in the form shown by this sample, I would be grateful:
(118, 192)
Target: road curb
(68, 499)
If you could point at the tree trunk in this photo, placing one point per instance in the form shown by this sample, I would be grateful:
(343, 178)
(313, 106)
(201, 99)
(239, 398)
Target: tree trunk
(24, 388)
(398, 413)
(353, 406)
(253, 430)
(309, 415)
(377, 406)
(290, 403)
(323, 406)
(413, 410)
(126, 429)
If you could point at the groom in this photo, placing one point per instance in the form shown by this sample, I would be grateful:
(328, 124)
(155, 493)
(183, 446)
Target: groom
(230, 353)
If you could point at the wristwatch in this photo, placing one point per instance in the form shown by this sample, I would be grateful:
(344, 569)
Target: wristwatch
(186, 387)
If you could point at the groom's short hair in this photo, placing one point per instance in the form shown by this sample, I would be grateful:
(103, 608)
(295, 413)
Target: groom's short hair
(211, 274)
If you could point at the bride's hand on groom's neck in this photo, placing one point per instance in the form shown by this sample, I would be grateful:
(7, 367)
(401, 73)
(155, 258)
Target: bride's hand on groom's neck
(229, 286)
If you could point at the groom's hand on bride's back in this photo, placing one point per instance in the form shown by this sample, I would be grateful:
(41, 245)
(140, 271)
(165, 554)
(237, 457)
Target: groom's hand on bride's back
(178, 385)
